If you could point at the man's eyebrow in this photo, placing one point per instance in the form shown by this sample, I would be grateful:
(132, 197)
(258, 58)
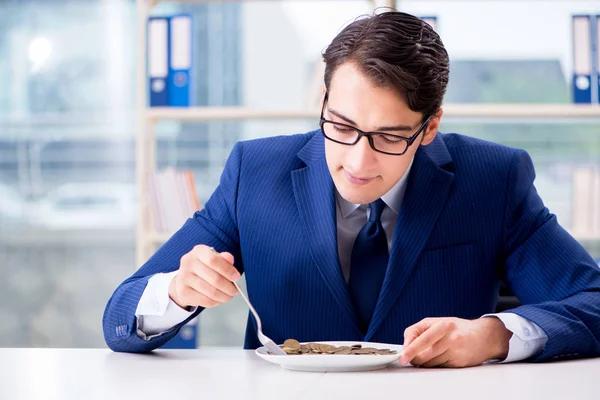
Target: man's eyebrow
(401, 128)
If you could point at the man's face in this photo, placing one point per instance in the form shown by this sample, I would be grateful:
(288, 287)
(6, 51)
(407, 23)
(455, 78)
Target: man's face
(360, 174)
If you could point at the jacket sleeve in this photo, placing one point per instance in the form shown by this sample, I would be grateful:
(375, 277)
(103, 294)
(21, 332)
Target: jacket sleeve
(215, 225)
(555, 279)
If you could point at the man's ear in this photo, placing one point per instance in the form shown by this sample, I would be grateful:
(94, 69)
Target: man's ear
(432, 128)
(323, 91)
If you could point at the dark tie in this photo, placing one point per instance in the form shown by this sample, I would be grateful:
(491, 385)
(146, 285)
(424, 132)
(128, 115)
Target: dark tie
(368, 265)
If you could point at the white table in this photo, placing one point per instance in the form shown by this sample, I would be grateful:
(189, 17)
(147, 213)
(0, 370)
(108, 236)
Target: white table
(89, 374)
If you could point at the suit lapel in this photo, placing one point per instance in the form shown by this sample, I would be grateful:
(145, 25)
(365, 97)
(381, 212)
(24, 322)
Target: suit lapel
(315, 198)
(427, 189)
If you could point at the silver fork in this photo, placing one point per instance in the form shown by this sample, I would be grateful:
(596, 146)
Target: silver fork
(264, 339)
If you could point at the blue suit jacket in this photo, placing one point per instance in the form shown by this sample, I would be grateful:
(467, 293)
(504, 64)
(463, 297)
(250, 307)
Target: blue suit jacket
(470, 217)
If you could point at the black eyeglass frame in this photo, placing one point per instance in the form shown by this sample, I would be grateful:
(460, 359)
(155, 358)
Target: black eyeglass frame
(368, 135)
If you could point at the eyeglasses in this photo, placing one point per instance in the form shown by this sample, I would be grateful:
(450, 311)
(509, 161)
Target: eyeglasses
(380, 142)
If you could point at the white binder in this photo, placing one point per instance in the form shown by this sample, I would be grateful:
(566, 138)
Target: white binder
(582, 59)
(158, 60)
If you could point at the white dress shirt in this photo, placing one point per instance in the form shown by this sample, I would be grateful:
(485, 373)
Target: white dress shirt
(157, 313)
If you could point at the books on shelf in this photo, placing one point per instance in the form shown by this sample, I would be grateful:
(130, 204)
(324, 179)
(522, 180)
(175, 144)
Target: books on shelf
(172, 198)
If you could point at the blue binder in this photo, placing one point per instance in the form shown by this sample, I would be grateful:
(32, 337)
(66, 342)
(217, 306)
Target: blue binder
(186, 338)
(596, 49)
(158, 61)
(582, 59)
(180, 60)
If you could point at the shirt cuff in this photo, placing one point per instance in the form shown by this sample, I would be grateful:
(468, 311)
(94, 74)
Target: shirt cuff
(156, 313)
(527, 340)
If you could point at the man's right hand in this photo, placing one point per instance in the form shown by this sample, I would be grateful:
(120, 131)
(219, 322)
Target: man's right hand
(204, 278)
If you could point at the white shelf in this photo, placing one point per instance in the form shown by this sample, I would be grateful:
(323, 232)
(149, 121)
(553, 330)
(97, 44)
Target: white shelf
(550, 111)
(525, 110)
(224, 113)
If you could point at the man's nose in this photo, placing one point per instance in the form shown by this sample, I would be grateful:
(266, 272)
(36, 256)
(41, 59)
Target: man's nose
(362, 156)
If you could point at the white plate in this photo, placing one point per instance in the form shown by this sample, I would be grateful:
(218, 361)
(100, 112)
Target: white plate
(335, 362)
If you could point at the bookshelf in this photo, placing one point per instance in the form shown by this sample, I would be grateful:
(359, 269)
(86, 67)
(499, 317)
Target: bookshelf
(147, 238)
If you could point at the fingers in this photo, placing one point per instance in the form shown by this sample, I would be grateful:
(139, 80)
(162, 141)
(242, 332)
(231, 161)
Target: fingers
(204, 278)
(229, 258)
(217, 262)
(209, 275)
(431, 334)
(209, 290)
(413, 332)
(442, 360)
(190, 296)
(446, 342)
(430, 357)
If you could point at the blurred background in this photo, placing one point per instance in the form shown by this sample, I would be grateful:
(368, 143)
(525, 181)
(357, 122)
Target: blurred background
(78, 139)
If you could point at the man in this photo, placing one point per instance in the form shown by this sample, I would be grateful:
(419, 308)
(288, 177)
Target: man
(376, 227)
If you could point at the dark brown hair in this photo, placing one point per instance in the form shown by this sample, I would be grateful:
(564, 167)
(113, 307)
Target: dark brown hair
(396, 50)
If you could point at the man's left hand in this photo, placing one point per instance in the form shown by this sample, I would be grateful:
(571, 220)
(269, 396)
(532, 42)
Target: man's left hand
(455, 342)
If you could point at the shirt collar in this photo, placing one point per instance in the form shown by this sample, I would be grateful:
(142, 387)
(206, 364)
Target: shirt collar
(392, 199)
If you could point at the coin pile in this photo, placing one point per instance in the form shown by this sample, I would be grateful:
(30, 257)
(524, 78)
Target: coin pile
(293, 347)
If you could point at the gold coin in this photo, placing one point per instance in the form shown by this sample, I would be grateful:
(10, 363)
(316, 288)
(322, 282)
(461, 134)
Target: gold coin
(341, 348)
(326, 348)
(370, 349)
(292, 344)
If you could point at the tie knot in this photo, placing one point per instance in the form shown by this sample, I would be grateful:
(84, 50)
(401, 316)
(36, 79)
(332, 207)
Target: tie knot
(376, 209)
